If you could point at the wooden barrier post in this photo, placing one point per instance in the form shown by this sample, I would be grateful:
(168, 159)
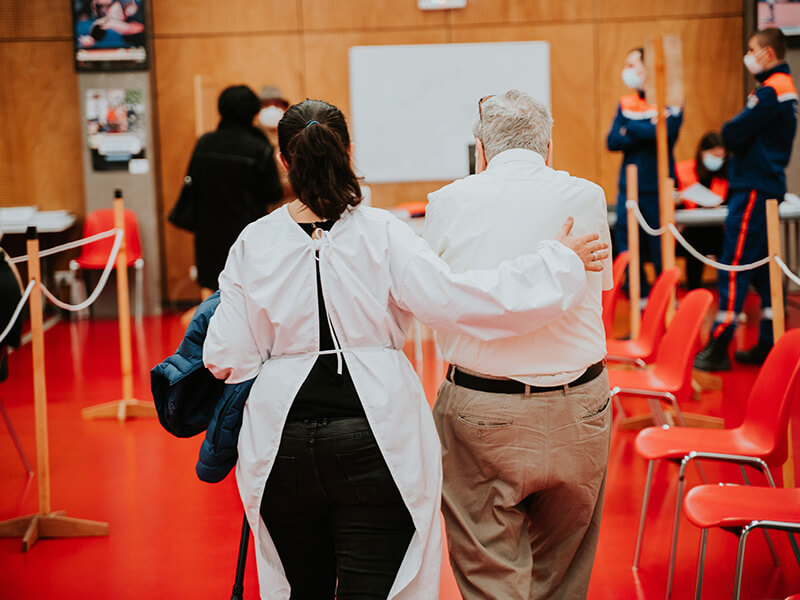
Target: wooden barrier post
(198, 105)
(634, 281)
(45, 523)
(128, 406)
(666, 199)
(778, 315)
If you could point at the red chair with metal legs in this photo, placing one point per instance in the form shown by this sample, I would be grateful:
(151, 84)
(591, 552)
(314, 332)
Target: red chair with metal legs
(94, 256)
(759, 442)
(671, 375)
(610, 296)
(741, 509)
(643, 349)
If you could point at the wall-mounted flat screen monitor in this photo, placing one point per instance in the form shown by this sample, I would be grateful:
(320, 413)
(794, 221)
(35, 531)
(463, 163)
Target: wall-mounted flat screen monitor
(780, 13)
(110, 35)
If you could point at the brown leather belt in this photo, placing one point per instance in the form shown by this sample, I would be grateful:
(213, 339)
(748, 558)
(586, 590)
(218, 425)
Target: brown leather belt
(509, 386)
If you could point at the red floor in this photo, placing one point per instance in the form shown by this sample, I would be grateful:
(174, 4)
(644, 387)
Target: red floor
(172, 536)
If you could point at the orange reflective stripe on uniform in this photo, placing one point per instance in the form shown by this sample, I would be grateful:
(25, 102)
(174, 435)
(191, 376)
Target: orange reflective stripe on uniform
(783, 86)
(636, 108)
(729, 316)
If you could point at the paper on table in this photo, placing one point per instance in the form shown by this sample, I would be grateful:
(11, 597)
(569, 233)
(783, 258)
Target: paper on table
(701, 195)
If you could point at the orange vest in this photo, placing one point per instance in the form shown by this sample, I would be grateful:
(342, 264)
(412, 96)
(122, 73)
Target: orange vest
(686, 170)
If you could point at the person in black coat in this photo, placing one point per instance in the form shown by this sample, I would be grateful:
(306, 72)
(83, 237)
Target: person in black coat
(232, 181)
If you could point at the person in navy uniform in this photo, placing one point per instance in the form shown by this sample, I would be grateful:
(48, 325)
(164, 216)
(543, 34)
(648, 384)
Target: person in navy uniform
(634, 134)
(760, 140)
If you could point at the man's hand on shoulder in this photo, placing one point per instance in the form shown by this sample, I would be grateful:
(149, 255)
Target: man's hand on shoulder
(588, 247)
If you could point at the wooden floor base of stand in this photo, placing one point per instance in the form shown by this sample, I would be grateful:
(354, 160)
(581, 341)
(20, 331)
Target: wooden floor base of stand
(51, 525)
(120, 409)
(706, 381)
(638, 422)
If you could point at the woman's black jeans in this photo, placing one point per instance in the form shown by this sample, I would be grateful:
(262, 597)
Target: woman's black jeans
(334, 512)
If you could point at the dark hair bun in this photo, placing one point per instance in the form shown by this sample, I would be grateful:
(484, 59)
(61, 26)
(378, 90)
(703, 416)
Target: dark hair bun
(314, 139)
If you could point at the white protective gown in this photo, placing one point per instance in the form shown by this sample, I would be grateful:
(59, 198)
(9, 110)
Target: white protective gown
(375, 273)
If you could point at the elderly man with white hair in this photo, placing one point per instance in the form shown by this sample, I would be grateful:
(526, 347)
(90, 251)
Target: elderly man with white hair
(524, 421)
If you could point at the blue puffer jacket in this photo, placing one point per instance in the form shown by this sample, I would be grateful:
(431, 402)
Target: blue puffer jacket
(189, 399)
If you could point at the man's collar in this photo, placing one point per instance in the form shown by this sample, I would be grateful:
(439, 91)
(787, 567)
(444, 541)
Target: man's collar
(779, 68)
(515, 155)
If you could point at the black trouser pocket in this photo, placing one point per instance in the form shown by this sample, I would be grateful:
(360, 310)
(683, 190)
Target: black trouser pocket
(367, 473)
(281, 487)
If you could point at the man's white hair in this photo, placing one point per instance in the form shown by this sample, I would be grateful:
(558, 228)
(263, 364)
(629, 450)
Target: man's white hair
(513, 120)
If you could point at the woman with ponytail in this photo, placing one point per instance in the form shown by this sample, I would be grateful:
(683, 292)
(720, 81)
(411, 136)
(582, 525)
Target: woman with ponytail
(339, 462)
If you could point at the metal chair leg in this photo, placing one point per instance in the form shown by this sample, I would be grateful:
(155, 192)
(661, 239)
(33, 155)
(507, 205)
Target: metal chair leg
(775, 558)
(645, 502)
(702, 472)
(77, 290)
(659, 418)
(701, 560)
(139, 298)
(795, 549)
(678, 414)
(674, 547)
(737, 578)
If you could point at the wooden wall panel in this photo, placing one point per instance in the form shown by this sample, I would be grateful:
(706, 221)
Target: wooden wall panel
(40, 135)
(327, 15)
(35, 19)
(712, 53)
(572, 87)
(193, 17)
(521, 11)
(327, 78)
(271, 59)
(650, 9)
(326, 58)
(388, 195)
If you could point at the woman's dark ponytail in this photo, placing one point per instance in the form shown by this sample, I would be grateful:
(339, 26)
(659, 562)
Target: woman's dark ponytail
(314, 140)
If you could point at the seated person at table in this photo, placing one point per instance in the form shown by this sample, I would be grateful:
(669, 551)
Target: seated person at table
(709, 168)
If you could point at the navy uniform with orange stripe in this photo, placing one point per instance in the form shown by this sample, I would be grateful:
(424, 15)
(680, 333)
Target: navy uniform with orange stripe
(634, 134)
(760, 139)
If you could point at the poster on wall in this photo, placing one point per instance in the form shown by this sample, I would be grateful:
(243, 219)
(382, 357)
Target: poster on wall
(780, 13)
(115, 127)
(109, 35)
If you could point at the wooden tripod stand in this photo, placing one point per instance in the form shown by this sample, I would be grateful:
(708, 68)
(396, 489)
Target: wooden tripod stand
(127, 406)
(46, 523)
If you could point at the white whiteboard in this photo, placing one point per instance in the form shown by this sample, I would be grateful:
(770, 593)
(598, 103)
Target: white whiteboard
(412, 107)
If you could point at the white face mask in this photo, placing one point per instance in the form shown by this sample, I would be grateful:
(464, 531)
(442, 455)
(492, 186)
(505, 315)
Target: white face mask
(712, 162)
(752, 64)
(631, 78)
(270, 116)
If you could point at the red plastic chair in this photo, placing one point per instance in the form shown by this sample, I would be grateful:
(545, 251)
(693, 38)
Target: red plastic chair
(94, 256)
(760, 441)
(671, 376)
(610, 296)
(742, 509)
(643, 349)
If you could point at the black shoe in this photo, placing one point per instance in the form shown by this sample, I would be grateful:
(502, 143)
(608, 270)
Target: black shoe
(714, 357)
(754, 356)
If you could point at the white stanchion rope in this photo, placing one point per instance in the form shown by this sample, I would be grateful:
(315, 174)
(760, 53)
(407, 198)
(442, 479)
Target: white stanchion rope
(100, 284)
(784, 267)
(678, 236)
(69, 245)
(17, 311)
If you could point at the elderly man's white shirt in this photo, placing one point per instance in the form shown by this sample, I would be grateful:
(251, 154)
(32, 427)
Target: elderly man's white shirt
(504, 212)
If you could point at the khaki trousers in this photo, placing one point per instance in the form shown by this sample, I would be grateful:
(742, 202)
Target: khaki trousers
(524, 477)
